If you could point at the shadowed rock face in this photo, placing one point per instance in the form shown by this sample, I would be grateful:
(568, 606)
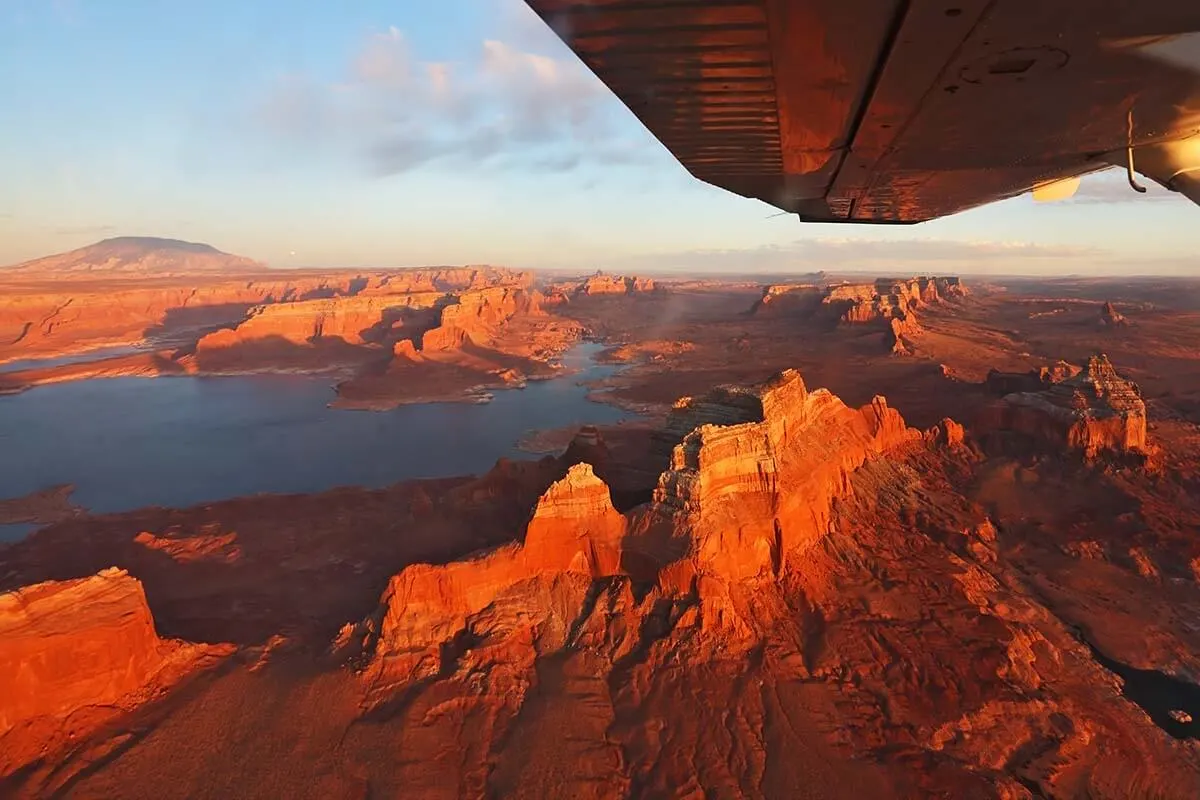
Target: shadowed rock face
(1092, 410)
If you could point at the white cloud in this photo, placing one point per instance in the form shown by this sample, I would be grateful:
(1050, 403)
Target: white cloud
(504, 107)
(1112, 186)
(899, 256)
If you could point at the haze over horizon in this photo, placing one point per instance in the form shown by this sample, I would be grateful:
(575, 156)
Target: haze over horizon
(382, 135)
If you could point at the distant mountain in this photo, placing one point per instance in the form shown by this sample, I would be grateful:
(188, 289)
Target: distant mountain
(140, 255)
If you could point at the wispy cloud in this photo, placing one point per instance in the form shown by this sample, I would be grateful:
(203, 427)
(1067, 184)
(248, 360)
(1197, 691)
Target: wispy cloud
(901, 256)
(504, 107)
(1112, 186)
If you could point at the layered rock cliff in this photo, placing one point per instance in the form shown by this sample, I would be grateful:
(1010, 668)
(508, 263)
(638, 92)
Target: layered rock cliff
(79, 649)
(477, 315)
(1090, 410)
(431, 612)
(738, 500)
(354, 320)
(601, 284)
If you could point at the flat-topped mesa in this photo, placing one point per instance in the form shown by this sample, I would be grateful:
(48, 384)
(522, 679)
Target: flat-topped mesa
(791, 298)
(70, 646)
(749, 493)
(355, 320)
(1092, 410)
(477, 315)
(601, 284)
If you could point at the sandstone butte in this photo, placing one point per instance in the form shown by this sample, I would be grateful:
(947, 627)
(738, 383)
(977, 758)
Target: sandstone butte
(889, 302)
(1092, 410)
(76, 653)
(614, 284)
(1109, 316)
(805, 603)
(599, 284)
(750, 486)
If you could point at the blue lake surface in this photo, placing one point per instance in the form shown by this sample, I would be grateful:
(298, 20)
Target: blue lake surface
(178, 441)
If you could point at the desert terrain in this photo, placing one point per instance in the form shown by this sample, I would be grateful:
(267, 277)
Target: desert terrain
(883, 536)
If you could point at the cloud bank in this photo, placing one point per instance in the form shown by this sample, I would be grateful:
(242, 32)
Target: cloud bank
(503, 107)
(899, 256)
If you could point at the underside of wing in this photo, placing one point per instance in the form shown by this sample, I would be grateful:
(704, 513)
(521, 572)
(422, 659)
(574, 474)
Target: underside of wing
(895, 111)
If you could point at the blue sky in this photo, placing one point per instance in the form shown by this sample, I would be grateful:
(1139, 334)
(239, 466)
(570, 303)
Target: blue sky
(406, 132)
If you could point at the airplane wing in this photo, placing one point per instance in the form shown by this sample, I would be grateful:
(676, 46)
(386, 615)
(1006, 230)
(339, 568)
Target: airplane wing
(899, 111)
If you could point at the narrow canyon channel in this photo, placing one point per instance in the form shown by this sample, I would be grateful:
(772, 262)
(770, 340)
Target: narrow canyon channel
(125, 443)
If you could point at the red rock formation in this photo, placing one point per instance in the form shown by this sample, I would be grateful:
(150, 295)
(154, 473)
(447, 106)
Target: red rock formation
(354, 320)
(739, 499)
(756, 492)
(573, 535)
(79, 645)
(477, 316)
(601, 284)
(1093, 411)
(947, 434)
(791, 298)
(44, 316)
(1110, 317)
(893, 303)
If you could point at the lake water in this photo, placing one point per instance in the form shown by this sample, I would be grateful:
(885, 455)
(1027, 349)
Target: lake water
(1158, 694)
(178, 441)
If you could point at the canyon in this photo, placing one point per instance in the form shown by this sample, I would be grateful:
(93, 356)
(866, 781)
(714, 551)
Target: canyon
(894, 538)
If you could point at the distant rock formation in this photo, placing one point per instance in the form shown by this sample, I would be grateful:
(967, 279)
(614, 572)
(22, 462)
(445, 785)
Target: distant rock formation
(141, 255)
(78, 649)
(888, 302)
(477, 314)
(602, 284)
(1110, 317)
(1091, 410)
(791, 298)
(353, 320)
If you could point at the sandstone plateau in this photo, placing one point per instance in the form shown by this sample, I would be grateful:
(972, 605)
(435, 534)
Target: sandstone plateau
(985, 585)
(1088, 410)
(812, 600)
(391, 337)
(891, 304)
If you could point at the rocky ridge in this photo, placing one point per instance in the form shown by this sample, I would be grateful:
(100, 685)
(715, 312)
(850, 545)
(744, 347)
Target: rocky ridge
(894, 304)
(1089, 410)
(737, 502)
